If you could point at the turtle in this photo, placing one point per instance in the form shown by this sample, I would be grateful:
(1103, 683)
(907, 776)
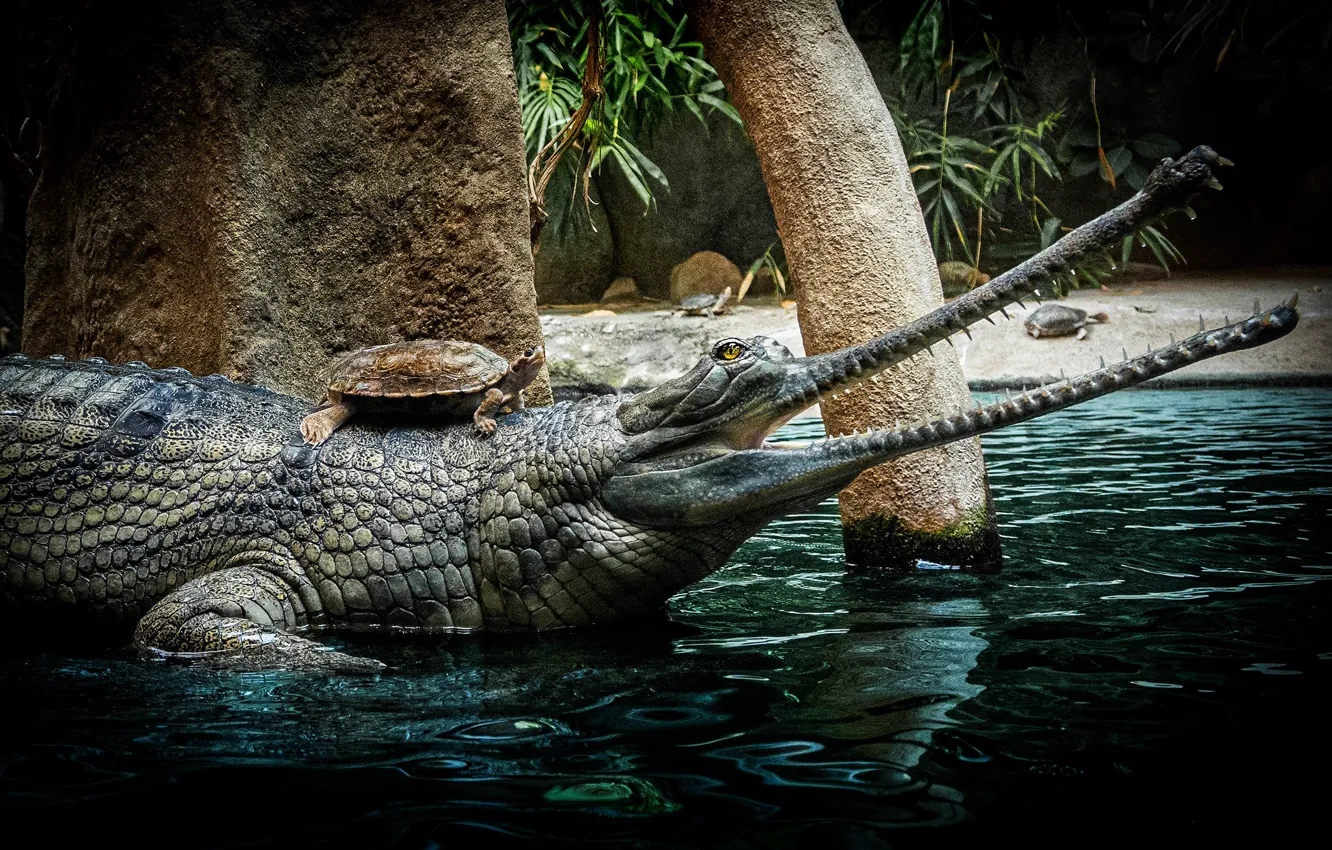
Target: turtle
(1059, 320)
(705, 304)
(428, 377)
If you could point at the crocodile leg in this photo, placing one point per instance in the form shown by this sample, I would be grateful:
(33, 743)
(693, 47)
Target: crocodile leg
(238, 618)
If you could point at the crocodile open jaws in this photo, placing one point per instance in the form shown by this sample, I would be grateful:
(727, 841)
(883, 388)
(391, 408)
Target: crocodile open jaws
(190, 511)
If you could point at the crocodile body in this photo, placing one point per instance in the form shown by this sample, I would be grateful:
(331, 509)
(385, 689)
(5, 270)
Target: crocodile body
(124, 483)
(191, 509)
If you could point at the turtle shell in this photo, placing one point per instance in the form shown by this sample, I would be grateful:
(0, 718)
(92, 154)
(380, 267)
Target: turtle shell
(427, 367)
(699, 302)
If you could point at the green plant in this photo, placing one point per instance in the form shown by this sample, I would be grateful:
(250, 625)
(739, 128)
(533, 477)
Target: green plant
(650, 70)
(980, 164)
(774, 267)
(1127, 155)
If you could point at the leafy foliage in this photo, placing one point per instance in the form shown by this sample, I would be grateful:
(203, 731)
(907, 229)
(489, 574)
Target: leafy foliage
(981, 164)
(650, 70)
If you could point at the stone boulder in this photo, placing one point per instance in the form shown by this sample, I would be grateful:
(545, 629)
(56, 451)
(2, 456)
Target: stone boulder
(622, 290)
(255, 189)
(706, 272)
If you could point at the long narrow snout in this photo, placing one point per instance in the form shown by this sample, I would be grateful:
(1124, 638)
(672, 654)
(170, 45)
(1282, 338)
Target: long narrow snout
(1170, 186)
(770, 480)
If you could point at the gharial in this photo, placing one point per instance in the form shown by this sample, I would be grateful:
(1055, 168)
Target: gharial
(191, 511)
(426, 377)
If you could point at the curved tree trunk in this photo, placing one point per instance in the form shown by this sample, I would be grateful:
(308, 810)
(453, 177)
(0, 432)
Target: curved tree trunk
(858, 249)
(253, 187)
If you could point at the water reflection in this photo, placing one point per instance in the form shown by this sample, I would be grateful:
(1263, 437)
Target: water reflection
(1156, 644)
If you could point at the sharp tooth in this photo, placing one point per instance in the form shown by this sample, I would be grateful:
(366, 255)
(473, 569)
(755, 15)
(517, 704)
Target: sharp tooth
(1188, 211)
(1227, 319)
(1213, 183)
(1102, 362)
(1221, 160)
(1124, 352)
(1202, 326)
(1005, 312)
(967, 331)
(930, 349)
(1294, 301)
(1018, 301)
(1062, 376)
(1257, 308)
(949, 340)
(988, 319)
(1172, 339)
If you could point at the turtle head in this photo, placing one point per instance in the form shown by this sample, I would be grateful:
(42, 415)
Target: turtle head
(524, 368)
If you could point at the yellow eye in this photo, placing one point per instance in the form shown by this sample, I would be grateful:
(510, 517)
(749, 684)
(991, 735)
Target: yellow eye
(728, 349)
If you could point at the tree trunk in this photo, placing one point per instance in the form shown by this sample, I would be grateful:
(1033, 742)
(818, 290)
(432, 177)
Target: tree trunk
(254, 187)
(857, 247)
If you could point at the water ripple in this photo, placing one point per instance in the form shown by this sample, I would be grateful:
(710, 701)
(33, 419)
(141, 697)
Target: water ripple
(1159, 629)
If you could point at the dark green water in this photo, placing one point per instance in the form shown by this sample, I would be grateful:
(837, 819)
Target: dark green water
(1155, 657)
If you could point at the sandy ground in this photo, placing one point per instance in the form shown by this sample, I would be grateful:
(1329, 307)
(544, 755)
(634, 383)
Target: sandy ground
(645, 347)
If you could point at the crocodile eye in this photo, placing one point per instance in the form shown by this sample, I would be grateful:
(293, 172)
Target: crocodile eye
(728, 349)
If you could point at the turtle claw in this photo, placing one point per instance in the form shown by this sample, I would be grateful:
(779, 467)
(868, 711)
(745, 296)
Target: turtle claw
(485, 427)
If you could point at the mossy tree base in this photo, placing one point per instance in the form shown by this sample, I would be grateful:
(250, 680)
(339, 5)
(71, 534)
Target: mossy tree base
(885, 543)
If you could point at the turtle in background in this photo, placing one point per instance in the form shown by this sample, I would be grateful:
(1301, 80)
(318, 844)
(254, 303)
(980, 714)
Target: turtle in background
(1059, 320)
(705, 304)
(430, 377)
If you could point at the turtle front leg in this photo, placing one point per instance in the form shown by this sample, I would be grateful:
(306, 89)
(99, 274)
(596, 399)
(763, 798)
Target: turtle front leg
(515, 403)
(237, 618)
(484, 418)
(320, 425)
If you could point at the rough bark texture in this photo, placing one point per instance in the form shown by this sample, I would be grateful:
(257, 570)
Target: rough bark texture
(856, 242)
(253, 187)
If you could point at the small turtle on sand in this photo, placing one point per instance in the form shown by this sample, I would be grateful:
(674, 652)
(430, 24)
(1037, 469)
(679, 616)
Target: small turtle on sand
(429, 377)
(705, 305)
(1058, 320)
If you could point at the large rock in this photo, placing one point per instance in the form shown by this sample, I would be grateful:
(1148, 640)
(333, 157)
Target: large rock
(716, 201)
(254, 188)
(622, 290)
(706, 272)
